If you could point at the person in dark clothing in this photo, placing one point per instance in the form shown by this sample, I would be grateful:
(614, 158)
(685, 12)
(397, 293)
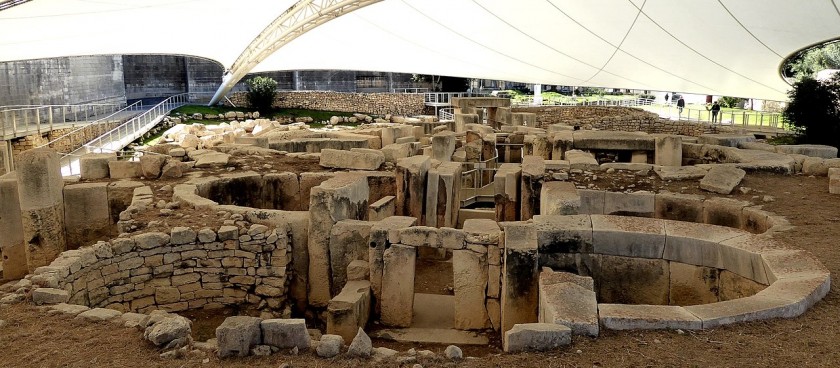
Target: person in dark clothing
(680, 105)
(667, 97)
(715, 110)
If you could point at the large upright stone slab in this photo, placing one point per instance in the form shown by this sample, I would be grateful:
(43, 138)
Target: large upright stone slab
(443, 146)
(559, 198)
(536, 337)
(348, 242)
(668, 151)
(342, 197)
(120, 194)
(470, 276)
(533, 170)
(378, 243)
(398, 285)
(506, 184)
(411, 186)
(443, 195)
(359, 160)
(87, 217)
(520, 278)
(281, 191)
(11, 242)
(237, 334)
(94, 166)
(570, 305)
(722, 179)
(462, 120)
(40, 188)
(349, 310)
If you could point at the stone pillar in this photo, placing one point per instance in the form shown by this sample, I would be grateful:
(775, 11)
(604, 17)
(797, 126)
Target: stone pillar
(40, 188)
(533, 169)
(398, 285)
(559, 198)
(491, 117)
(443, 195)
(87, 216)
(5, 157)
(470, 276)
(506, 192)
(340, 198)
(348, 243)
(561, 142)
(11, 228)
(538, 145)
(443, 146)
(520, 277)
(485, 234)
(411, 186)
(461, 121)
(378, 243)
(668, 151)
(514, 153)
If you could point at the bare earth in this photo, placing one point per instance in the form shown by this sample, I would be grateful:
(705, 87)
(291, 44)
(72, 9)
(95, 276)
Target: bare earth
(31, 338)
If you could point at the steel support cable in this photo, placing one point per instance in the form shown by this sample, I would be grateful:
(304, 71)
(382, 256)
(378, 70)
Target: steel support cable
(748, 31)
(618, 47)
(485, 47)
(627, 53)
(549, 46)
(704, 56)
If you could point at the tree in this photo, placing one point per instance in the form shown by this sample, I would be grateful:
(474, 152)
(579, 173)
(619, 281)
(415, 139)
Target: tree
(261, 92)
(814, 110)
(810, 61)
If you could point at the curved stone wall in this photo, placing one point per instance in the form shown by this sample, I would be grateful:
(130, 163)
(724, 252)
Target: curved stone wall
(615, 118)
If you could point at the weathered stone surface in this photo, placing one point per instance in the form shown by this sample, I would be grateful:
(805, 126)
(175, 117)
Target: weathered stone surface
(443, 195)
(453, 352)
(378, 242)
(93, 166)
(349, 310)
(559, 198)
(668, 151)
(536, 337)
(482, 231)
(443, 146)
(49, 296)
(329, 346)
(211, 159)
(384, 207)
(285, 333)
(411, 185)
(237, 334)
(581, 160)
(11, 226)
(722, 179)
(646, 317)
(69, 309)
(630, 280)
(724, 212)
(681, 173)
(151, 164)
(358, 270)
(638, 204)
(680, 207)
(361, 345)
(367, 160)
(570, 305)
(42, 205)
(169, 329)
(398, 285)
(628, 236)
(691, 285)
(728, 140)
(348, 243)
(87, 216)
(520, 278)
(812, 150)
(696, 244)
(470, 277)
(564, 234)
(99, 314)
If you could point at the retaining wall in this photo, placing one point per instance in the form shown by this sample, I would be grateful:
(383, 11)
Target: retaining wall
(615, 118)
(366, 103)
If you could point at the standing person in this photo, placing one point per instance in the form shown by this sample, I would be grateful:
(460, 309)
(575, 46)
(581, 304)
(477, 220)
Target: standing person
(667, 97)
(680, 105)
(715, 111)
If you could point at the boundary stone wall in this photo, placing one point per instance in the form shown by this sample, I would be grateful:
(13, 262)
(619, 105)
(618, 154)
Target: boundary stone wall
(615, 118)
(366, 103)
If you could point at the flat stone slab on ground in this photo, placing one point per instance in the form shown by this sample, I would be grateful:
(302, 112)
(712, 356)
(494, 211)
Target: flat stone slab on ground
(646, 317)
(536, 337)
(71, 309)
(722, 179)
(432, 336)
(99, 314)
(681, 173)
(570, 305)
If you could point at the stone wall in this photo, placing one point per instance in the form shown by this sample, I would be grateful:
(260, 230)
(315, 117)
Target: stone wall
(182, 270)
(615, 118)
(67, 145)
(366, 103)
(65, 80)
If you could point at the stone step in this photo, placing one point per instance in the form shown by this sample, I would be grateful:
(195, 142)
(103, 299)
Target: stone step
(445, 336)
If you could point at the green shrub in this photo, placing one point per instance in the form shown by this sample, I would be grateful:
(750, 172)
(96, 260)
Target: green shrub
(730, 102)
(261, 91)
(814, 110)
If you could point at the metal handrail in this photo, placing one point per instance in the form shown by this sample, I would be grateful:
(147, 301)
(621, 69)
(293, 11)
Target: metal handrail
(447, 113)
(137, 126)
(135, 106)
(20, 120)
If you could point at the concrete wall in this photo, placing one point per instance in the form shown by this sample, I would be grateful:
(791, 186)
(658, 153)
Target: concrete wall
(66, 80)
(154, 75)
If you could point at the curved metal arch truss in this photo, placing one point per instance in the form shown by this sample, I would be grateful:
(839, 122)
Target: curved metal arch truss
(300, 18)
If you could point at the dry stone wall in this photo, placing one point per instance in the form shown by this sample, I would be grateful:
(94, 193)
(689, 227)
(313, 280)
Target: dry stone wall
(72, 142)
(366, 103)
(616, 118)
(182, 270)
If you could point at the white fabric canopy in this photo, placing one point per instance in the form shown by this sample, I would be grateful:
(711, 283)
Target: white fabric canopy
(720, 47)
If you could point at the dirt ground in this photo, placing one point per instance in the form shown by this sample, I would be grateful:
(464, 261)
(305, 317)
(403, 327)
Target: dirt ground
(31, 338)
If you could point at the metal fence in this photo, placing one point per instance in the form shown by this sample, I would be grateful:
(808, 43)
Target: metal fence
(20, 120)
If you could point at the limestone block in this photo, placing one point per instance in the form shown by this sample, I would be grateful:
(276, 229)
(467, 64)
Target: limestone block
(182, 235)
(94, 166)
(630, 280)
(722, 179)
(581, 160)
(443, 146)
(285, 333)
(151, 165)
(728, 140)
(237, 334)
(834, 184)
(668, 150)
(680, 207)
(40, 190)
(724, 212)
(211, 159)
(692, 284)
(120, 195)
(628, 236)
(564, 234)
(398, 285)
(378, 242)
(358, 270)
(384, 207)
(536, 337)
(557, 165)
(42, 296)
(559, 198)
(812, 150)
(570, 305)
(533, 171)
(348, 243)
(638, 204)
(696, 244)
(309, 181)
(681, 173)
(329, 346)
(506, 188)
(742, 256)
(11, 226)
(349, 310)
(87, 216)
(733, 286)
(367, 160)
(646, 317)
(443, 195)
(470, 276)
(613, 140)
(395, 152)
(462, 120)
(592, 201)
(124, 169)
(562, 141)
(520, 299)
(411, 185)
(342, 197)
(99, 314)
(482, 231)
(419, 236)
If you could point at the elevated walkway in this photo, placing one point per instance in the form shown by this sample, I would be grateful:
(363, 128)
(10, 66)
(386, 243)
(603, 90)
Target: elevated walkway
(23, 120)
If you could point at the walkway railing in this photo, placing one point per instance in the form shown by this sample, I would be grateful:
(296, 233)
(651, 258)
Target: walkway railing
(72, 140)
(22, 120)
(446, 113)
(131, 130)
(444, 98)
(752, 120)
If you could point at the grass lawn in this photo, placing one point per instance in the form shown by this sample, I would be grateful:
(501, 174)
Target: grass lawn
(316, 115)
(727, 115)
